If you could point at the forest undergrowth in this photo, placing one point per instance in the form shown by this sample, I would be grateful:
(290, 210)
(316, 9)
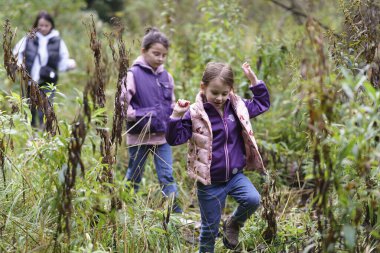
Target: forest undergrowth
(63, 189)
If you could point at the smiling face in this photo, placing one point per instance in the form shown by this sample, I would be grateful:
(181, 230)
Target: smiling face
(44, 26)
(216, 92)
(155, 55)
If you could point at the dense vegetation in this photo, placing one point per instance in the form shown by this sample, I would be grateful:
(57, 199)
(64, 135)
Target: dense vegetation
(64, 189)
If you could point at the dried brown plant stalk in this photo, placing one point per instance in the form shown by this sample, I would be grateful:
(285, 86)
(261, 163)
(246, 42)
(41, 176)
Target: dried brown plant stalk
(321, 114)
(2, 160)
(270, 203)
(78, 136)
(123, 62)
(97, 87)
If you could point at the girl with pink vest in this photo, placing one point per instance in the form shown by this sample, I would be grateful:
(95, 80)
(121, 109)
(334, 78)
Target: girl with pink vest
(221, 144)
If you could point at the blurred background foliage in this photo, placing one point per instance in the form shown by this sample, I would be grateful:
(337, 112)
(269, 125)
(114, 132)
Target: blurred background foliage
(320, 140)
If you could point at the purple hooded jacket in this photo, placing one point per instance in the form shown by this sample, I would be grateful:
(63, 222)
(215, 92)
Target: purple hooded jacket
(152, 100)
(226, 133)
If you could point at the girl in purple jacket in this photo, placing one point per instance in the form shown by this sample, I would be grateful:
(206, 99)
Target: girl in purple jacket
(221, 144)
(148, 91)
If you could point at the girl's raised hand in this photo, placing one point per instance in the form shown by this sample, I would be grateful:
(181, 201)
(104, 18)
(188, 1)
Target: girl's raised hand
(180, 108)
(248, 72)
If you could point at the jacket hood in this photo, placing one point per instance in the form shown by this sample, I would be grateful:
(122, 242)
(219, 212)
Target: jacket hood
(140, 61)
(53, 33)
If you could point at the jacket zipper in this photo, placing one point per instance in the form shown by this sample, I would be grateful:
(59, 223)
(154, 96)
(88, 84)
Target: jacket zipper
(225, 144)
(226, 151)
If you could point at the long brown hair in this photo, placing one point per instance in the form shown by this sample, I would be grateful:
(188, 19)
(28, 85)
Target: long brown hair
(46, 16)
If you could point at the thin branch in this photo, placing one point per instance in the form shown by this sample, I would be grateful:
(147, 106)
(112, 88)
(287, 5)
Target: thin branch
(299, 13)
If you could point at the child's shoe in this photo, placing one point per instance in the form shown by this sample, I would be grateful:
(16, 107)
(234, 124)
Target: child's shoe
(231, 233)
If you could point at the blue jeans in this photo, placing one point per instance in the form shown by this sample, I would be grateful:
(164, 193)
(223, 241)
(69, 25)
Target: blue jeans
(212, 199)
(162, 161)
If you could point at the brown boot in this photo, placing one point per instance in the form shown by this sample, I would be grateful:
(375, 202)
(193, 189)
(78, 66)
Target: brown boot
(231, 233)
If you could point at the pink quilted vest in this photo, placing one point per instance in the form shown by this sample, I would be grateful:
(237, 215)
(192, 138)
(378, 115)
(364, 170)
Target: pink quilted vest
(200, 145)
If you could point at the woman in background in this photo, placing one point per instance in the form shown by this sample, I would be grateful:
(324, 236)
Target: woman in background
(43, 56)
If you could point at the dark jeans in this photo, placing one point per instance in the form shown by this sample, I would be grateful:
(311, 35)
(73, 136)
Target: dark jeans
(38, 113)
(212, 199)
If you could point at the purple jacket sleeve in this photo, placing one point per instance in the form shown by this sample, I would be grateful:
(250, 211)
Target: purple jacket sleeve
(260, 102)
(179, 130)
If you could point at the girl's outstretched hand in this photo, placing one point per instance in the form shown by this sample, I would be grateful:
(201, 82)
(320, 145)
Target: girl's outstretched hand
(248, 72)
(180, 108)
